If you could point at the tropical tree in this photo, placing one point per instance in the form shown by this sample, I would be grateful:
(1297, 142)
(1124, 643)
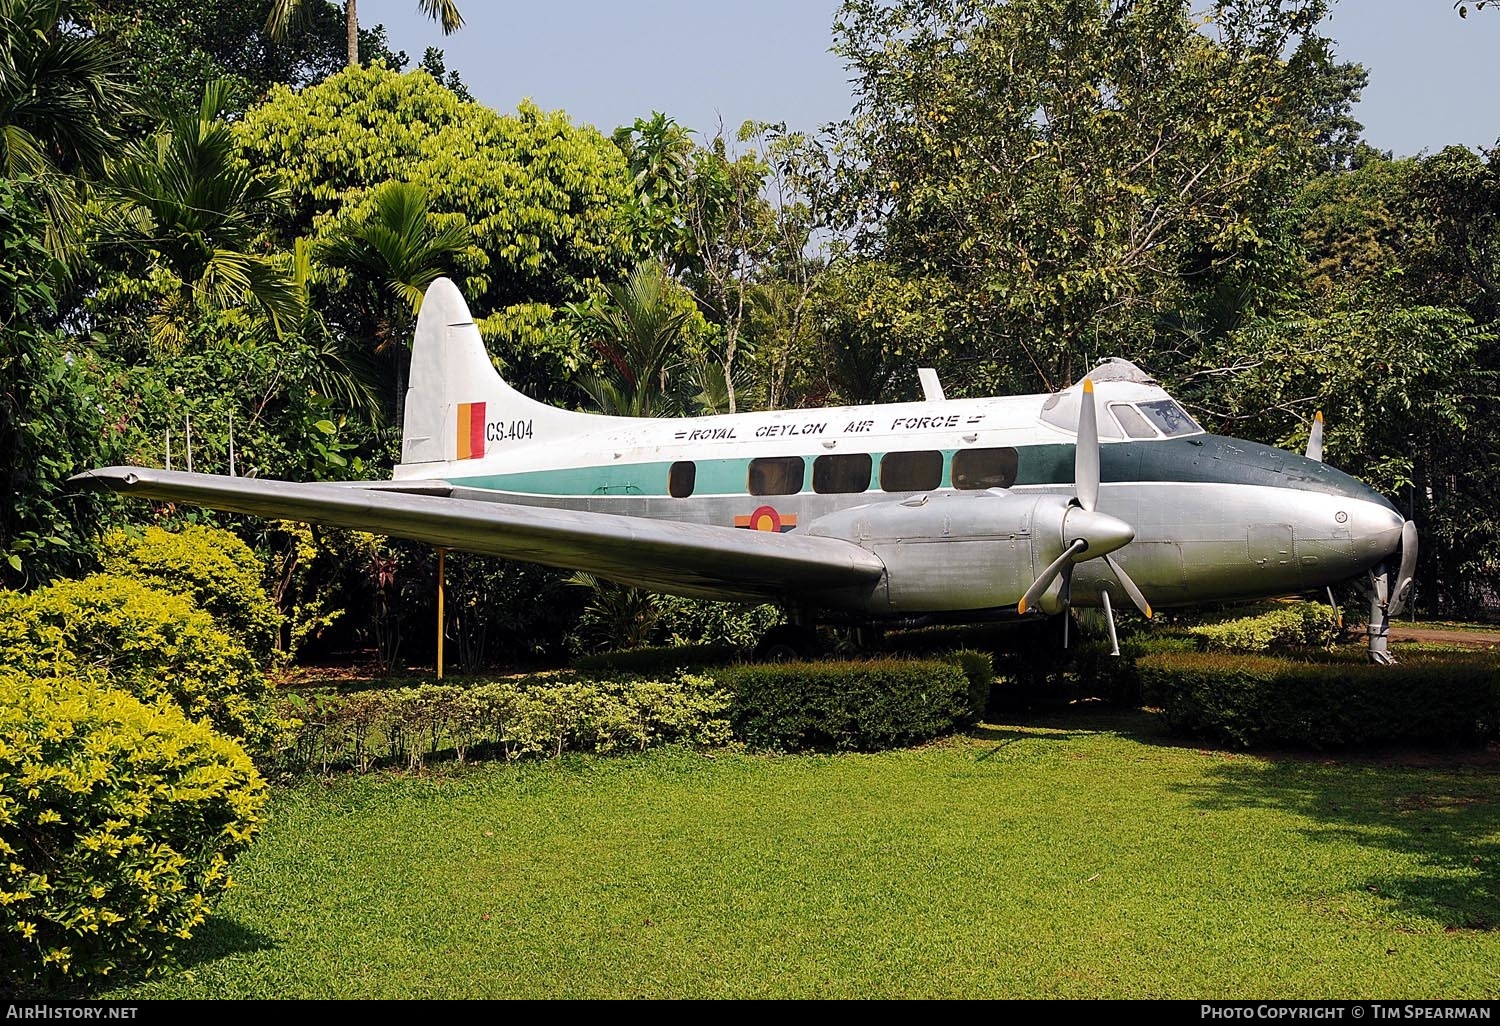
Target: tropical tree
(63, 93)
(175, 49)
(659, 153)
(639, 332)
(284, 12)
(193, 207)
(392, 254)
(1076, 168)
(1453, 203)
(52, 423)
(546, 201)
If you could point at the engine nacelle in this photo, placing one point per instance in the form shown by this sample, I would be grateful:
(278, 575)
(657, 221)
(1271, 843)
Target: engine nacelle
(954, 551)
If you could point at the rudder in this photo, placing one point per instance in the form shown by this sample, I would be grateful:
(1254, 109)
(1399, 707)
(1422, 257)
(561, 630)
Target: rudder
(457, 405)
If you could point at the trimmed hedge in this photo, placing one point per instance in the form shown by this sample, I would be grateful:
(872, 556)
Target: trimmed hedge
(1257, 700)
(979, 670)
(509, 719)
(859, 706)
(118, 823)
(209, 565)
(151, 644)
(658, 660)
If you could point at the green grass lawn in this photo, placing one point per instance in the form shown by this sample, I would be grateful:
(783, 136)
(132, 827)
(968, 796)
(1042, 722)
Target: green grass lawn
(1093, 858)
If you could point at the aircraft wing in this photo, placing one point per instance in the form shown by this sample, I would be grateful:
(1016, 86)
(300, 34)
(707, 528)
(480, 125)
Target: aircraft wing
(688, 559)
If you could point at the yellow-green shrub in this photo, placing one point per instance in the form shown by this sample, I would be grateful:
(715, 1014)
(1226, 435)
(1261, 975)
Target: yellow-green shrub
(1289, 625)
(209, 565)
(151, 644)
(118, 822)
(544, 715)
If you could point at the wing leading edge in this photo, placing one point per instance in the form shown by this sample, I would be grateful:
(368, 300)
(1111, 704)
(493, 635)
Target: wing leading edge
(687, 559)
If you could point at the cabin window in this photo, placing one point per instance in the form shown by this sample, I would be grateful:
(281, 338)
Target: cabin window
(1134, 424)
(777, 475)
(683, 476)
(842, 474)
(1171, 418)
(911, 471)
(984, 468)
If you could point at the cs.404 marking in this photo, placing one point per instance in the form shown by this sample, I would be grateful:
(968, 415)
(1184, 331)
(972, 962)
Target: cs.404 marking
(507, 430)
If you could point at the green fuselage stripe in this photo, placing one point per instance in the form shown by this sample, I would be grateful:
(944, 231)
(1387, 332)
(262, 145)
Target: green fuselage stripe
(1199, 458)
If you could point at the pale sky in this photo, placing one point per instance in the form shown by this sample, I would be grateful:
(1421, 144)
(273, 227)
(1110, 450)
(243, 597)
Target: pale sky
(1434, 78)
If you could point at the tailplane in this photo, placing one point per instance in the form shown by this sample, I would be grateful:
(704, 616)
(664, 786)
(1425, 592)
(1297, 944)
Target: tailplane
(457, 405)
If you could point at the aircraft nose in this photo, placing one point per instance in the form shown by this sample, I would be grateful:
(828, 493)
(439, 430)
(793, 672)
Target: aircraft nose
(1103, 533)
(1375, 530)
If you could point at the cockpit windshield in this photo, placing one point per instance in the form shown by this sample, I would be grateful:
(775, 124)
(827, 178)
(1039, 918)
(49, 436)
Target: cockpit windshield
(1172, 419)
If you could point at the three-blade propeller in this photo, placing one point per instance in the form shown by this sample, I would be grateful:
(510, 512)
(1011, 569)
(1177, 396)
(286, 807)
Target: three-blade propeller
(1087, 533)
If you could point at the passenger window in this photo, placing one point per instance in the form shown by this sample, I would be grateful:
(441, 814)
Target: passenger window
(777, 475)
(842, 474)
(683, 476)
(1171, 418)
(911, 471)
(984, 468)
(1134, 424)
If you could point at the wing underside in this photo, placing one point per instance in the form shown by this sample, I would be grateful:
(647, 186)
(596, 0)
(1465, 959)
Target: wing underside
(686, 559)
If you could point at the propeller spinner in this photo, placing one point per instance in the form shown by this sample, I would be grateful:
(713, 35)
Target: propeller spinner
(1087, 533)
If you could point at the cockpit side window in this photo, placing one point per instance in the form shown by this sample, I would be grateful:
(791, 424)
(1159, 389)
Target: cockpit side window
(1171, 418)
(1134, 424)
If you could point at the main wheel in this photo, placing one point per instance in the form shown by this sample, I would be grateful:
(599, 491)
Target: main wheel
(787, 643)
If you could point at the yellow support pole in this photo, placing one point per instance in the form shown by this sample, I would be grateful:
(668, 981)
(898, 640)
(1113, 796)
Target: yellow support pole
(442, 553)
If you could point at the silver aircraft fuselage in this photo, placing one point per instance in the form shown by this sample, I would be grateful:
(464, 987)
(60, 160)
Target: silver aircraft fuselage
(1215, 518)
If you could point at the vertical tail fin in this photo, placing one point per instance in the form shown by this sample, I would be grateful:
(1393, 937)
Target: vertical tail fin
(457, 405)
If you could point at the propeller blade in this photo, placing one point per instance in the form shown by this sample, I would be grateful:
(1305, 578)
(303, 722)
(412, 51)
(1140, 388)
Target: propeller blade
(1086, 451)
(1044, 581)
(1315, 438)
(1408, 569)
(1129, 586)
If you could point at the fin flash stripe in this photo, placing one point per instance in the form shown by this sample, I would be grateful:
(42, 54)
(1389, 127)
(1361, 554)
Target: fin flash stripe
(470, 431)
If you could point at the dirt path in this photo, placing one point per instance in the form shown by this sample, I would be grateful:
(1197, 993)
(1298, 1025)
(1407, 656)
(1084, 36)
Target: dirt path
(1477, 638)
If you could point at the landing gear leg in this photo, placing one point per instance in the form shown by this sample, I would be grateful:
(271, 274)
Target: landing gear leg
(1109, 618)
(1379, 593)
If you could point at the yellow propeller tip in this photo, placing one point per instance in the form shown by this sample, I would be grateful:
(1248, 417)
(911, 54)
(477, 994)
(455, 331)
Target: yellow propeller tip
(1021, 607)
(1088, 386)
(1148, 610)
(1318, 416)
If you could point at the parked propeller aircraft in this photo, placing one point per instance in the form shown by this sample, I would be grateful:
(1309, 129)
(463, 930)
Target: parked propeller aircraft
(898, 514)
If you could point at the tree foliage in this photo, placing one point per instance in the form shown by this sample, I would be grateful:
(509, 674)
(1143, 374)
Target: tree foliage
(545, 201)
(192, 208)
(1073, 167)
(391, 255)
(52, 423)
(174, 49)
(63, 93)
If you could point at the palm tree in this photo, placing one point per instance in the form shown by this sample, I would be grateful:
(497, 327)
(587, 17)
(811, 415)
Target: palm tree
(284, 12)
(637, 331)
(190, 204)
(62, 95)
(395, 253)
